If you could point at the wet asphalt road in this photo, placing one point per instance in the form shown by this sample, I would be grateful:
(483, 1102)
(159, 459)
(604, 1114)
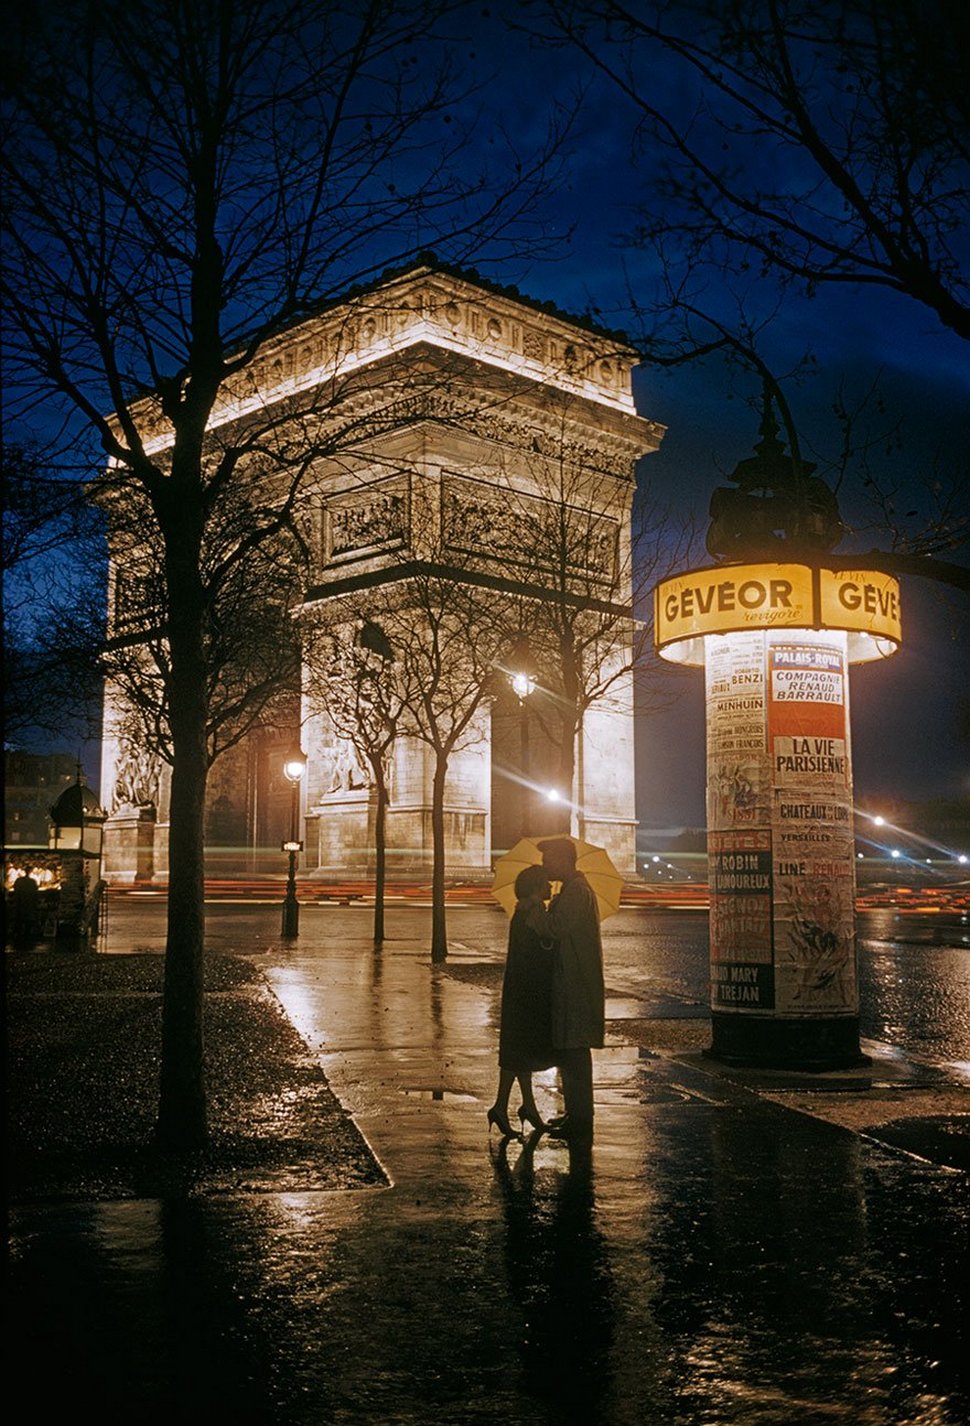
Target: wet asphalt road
(720, 1259)
(914, 970)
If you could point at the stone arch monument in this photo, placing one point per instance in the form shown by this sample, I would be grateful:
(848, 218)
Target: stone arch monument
(491, 439)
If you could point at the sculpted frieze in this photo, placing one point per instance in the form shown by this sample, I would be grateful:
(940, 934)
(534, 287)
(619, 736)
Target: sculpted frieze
(137, 775)
(365, 522)
(607, 453)
(527, 533)
(343, 770)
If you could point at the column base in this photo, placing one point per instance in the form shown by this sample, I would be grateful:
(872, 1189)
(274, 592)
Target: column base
(795, 1044)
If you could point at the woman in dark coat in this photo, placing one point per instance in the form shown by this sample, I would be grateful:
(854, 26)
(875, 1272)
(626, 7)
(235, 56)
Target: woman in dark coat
(525, 1032)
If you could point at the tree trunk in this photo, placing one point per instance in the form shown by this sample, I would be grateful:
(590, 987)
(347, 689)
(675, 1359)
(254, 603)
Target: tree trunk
(380, 855)
(562, 814)
(439, 931)
(182, 1121)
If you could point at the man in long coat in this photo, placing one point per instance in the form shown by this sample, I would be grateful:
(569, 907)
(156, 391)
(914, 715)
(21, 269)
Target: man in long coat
(578, 995)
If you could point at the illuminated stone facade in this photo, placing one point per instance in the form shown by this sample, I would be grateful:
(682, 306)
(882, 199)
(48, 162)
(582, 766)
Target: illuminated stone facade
(474, 432)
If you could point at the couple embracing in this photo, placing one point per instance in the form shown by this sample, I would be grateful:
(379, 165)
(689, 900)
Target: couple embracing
(552, 994)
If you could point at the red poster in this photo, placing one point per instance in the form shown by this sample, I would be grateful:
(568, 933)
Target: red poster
(806, 691)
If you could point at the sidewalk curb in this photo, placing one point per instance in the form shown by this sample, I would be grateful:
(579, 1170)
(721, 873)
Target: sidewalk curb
(917, 1110)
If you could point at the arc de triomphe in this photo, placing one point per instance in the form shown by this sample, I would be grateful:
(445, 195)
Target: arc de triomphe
(495, 441)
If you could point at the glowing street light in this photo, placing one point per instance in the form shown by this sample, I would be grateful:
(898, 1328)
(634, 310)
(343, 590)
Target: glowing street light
(294, 766)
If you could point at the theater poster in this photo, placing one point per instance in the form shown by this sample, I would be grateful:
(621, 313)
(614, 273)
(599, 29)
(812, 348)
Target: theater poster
(739, 834)
(813, 869)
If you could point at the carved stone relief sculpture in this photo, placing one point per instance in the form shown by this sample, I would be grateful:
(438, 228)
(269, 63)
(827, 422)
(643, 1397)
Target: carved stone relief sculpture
(370, 521)
(500, 530)
(343, 770)
(137, 775)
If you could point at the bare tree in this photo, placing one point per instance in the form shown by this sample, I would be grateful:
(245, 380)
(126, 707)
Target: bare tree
(818, 142)
(590, 549)
(789, 146)
(183, 180)
(918, 530)
(445, 636)
(361, 686)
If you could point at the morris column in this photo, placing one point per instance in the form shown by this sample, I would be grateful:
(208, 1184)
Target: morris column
(775, 641)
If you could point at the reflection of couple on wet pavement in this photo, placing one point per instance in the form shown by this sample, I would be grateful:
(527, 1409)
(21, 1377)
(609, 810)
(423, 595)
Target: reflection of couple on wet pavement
(552, 995)
(561, 1279)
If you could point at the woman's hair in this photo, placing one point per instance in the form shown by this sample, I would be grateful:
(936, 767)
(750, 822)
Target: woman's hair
(562, 849)
(531, 882)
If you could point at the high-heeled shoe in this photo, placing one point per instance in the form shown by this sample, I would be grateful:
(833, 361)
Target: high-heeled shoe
(530, 1116)
(501, 1123)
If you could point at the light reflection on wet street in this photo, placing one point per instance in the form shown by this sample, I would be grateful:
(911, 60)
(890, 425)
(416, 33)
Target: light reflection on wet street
(721, 1259)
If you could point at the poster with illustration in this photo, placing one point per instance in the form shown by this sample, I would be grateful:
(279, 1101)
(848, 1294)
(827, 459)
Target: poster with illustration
(813, 868)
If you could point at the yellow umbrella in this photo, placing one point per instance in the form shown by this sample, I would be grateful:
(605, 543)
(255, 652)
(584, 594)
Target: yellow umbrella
(592, 861)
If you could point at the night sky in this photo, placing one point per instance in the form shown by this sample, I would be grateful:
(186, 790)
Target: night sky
(906, 711)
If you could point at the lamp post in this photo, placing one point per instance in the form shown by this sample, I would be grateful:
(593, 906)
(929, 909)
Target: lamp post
(522, 679)
(294, 767)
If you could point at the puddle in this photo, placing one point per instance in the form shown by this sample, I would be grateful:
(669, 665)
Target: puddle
(458, 1096)
(659, 1007)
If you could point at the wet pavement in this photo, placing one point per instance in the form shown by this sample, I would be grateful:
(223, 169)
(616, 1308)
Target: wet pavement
(726, 1254)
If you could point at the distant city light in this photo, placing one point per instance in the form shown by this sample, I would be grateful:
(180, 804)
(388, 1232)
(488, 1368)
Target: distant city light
(879, 821)
(895, 852)
(961, 857)
(552, 795)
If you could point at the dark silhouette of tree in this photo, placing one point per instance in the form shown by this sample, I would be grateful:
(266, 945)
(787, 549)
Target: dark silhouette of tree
(918, 530)
(590, 548)
(184, 179)
(789, 146)
(447, 640)
(819, 141)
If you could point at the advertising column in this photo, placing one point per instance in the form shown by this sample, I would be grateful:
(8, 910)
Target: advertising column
(780, 847)
(776, 641)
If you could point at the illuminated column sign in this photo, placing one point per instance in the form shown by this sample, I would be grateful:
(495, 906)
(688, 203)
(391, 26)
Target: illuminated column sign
(776, 642)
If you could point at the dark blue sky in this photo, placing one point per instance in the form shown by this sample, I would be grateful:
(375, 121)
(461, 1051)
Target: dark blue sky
(905, 711)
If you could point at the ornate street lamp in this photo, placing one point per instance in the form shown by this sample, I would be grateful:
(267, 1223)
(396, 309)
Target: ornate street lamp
(294, 766)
